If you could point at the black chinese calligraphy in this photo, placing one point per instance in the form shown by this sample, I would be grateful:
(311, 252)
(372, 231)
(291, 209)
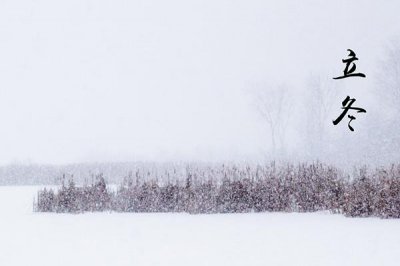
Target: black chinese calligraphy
(350, 66)
(346, 106)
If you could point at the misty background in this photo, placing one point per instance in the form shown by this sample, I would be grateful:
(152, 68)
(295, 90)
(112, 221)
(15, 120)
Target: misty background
(165, 81)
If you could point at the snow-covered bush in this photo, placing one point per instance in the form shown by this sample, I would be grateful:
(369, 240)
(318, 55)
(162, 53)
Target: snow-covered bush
(232, 189)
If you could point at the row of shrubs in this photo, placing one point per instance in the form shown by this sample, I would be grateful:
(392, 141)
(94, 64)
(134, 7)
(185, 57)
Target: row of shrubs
(286, 188)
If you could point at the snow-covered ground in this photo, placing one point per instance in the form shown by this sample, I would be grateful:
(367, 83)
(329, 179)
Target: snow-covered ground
(28, 238)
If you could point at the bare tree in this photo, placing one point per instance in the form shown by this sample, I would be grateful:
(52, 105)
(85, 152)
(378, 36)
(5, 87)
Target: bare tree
(388, 87)
(318, 106)
(383, 133)
(274, 105)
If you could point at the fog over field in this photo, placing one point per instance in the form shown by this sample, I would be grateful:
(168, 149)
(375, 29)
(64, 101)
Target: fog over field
(101, 81)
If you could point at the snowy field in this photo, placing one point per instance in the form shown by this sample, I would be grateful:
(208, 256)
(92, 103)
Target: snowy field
(28, 238)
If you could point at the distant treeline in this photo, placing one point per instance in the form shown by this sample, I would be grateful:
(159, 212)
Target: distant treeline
(286, 188)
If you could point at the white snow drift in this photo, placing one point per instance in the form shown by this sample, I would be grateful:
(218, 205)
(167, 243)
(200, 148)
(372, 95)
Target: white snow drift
(28, 238)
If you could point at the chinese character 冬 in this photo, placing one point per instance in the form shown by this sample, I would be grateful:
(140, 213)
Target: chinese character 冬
(346, 106)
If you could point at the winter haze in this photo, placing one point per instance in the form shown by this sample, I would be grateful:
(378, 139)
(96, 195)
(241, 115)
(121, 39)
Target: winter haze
(87, 81)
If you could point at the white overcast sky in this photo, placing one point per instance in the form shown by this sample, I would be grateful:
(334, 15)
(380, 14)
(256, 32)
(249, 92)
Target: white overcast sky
(159, 80)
